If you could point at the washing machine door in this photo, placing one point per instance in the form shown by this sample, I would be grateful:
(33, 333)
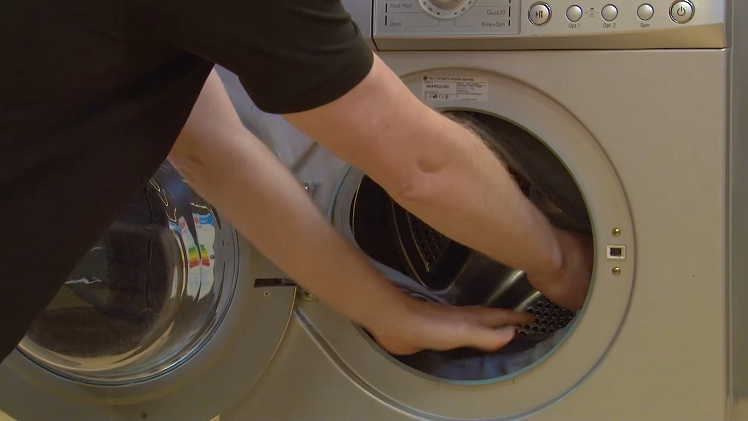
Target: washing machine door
(166, 317)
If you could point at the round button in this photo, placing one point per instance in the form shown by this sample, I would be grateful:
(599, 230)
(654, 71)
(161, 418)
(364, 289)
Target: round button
(609, 12)
(645, 12)
(681, 11)
(539, 14)
(574, 13)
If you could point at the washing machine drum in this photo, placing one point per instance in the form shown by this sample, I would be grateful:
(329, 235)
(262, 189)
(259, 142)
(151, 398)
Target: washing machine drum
(430, 266)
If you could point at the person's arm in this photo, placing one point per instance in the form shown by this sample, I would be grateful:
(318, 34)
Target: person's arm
(233, 170)
(441, 172)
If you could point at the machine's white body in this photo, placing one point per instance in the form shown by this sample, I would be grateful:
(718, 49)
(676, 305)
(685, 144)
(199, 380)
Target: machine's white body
(647, 119)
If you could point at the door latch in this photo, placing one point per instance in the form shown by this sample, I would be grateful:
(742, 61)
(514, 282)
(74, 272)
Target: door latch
(283, 282)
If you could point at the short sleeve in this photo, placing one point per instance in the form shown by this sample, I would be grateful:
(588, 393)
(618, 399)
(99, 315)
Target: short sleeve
(291, 55)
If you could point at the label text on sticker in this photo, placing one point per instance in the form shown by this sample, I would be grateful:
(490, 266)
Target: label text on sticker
(454, 88)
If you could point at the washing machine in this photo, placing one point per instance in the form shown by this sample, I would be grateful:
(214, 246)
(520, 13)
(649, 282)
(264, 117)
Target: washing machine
(624, 121)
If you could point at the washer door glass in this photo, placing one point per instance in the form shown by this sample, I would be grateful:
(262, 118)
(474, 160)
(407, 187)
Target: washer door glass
(147, 296)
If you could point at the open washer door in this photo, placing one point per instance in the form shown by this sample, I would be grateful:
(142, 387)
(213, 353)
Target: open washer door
(563, 170)
(160, 320)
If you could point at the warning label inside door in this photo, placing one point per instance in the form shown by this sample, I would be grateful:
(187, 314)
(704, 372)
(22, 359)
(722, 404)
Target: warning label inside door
(454, 88)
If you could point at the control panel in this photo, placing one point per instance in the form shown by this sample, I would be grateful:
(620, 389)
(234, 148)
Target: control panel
(490, 17)
(641, 23)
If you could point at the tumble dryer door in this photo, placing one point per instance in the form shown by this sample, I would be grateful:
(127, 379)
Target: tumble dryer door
(163, 319)
(561, 168)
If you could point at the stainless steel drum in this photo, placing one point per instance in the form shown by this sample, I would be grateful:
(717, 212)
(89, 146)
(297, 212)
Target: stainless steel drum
(447, 271)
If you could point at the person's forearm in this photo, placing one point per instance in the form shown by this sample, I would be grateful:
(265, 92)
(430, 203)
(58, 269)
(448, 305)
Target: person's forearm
(436, 169)
(235, 172)
(471, 198)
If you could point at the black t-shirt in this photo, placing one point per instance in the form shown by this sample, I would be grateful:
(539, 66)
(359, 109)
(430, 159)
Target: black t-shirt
(93, 94)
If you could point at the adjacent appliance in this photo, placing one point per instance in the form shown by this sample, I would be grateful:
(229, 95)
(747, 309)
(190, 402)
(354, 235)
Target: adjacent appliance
(623, 121)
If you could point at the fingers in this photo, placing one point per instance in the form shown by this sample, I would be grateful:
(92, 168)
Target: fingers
(492, 329)
(487, 339)
(440, 327)
(494, 317)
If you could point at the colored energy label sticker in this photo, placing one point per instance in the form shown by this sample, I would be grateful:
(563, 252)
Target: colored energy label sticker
(200, 254)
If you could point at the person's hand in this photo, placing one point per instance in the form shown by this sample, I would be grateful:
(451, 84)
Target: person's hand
(568, 286)
(441, 328)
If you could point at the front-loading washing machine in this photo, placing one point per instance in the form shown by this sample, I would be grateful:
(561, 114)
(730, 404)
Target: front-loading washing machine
(622, 121)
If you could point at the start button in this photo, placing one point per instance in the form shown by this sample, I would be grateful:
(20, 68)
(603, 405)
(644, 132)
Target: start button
(539, 14)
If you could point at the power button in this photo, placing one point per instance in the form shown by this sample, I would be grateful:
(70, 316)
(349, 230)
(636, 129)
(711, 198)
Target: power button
(681, 11)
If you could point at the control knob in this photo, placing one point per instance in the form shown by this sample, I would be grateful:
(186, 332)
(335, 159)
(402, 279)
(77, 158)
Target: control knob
(447, 4)
(446, 9)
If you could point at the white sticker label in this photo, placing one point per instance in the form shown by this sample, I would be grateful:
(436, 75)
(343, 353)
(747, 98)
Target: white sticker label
(454, 88)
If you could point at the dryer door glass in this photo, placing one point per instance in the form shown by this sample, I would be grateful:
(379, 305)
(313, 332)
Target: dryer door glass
(448, 272)
(147, 296)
